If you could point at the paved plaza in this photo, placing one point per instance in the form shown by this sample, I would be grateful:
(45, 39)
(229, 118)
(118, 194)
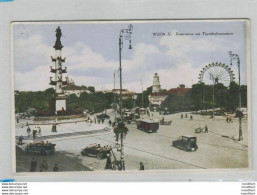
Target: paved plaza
(218, 149)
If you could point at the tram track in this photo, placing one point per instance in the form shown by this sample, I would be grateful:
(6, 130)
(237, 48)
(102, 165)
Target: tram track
(158, 155)
(49, 137)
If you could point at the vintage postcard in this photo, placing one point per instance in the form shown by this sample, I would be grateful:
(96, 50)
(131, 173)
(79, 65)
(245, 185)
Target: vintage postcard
(155, 95)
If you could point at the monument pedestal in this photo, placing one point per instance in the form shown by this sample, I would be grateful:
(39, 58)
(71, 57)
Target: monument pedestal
(60, 103)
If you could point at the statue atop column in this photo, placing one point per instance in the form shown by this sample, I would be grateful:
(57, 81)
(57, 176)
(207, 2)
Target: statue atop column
(58, 44)
(58, 33)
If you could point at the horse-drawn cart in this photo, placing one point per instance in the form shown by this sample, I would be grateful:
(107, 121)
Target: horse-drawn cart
(199, 130)
(165, 122)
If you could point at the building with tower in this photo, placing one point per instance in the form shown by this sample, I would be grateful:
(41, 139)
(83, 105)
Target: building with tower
(60, 98)
(156, 84)
(157, 97)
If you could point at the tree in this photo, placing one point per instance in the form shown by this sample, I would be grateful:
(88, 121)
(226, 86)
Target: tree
(181, 86)
(91, 89)
(146, 93)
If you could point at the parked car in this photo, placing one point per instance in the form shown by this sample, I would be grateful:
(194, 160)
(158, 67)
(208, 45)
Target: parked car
(40, 148)
(148, 126)
(187, 143)
(96, 150)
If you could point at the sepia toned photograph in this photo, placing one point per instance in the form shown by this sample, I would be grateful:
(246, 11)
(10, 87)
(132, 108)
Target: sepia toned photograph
(154, 95)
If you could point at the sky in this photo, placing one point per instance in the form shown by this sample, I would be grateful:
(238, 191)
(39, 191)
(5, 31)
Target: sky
(92, 52)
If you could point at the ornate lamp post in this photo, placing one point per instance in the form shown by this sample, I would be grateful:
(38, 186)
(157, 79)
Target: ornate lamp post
(124, 34)
(236, 57)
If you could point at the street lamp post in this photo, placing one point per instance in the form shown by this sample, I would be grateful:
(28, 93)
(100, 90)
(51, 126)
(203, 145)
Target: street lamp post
(114, 96)
(142, 94)
(213, 79)
(124, 34)
(236, 57)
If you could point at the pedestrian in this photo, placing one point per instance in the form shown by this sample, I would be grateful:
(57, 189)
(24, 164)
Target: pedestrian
(191, 117)
(102, 120)
(206, 129)
(110, 123)
(33, 165)
(230, 120)
(54, 129)
(17, 119)
(114, 165)
(56, 168)
(141, 166)
(34, 134)
(162, 121)
(39, 130)
(186, 115)
(181, 116)
(28, 130)
(44, 165)
(227, 119)
(21, 138)
(116, 131)
(108, 164)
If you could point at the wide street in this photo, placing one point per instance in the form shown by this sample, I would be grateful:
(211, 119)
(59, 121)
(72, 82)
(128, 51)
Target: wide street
(218, 149)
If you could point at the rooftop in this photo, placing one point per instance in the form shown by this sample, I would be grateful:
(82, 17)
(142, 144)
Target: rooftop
(178, 91)
(74, 87)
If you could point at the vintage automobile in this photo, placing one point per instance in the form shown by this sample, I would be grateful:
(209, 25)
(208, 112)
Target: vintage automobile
(187, 143)
(40, 148)
(103, 116)
(128, 119)
(148, 126)
(96, 150)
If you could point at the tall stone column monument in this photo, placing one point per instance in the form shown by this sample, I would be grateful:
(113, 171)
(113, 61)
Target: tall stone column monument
(60, 99)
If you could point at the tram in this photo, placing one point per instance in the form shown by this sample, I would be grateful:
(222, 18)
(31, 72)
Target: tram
(148, 126)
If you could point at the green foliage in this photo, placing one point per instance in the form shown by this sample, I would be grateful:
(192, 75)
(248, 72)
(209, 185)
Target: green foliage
(145, 101)
(91, 89)
(201, 97)
(175, 103)
(94, 102)
(128, 103)
(38, 99)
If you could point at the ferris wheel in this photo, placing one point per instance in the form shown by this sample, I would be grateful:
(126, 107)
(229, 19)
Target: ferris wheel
(215, 73)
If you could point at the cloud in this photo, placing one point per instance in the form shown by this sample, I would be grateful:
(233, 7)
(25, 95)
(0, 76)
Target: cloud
(177, 60)
(30, 53)
(36, 79)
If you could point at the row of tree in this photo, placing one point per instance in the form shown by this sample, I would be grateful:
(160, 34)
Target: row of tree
(199, 97)
(43, 101)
